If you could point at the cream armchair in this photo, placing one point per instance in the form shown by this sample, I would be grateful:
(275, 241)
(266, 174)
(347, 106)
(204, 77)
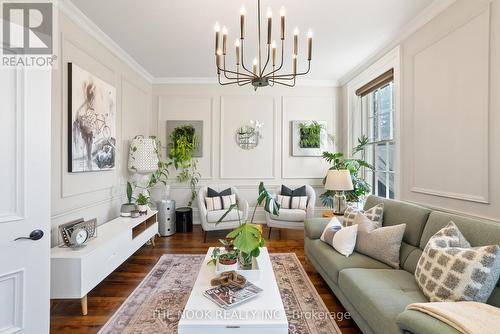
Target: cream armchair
(292, 218)
(209, 218)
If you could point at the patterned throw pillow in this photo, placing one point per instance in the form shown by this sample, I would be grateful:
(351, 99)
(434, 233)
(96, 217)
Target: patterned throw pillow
(220, 202)
(342, 239)
(287, 202)
(451, 270)
(380, 243)
(375, 214)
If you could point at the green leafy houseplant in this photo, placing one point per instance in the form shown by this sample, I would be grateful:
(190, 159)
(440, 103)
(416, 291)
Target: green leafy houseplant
(354, 165)
(142, 199)
(310, 135)
(247, 237)
(183, 143)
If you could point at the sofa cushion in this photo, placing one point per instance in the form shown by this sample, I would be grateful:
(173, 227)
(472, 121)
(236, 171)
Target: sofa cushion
(290, 215)
(375, 214)
(314, 227)
(214, 216)
(333, 262)
(418, 322)
(380, 295)
(396, 212)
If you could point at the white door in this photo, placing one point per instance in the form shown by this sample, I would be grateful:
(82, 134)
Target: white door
(25, 104)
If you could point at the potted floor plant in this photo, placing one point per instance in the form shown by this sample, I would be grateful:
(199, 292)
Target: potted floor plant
(127, 208)
(355, 165)
(247, 237)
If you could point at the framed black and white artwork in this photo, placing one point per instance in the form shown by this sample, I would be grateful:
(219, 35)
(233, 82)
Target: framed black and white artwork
(91, 122)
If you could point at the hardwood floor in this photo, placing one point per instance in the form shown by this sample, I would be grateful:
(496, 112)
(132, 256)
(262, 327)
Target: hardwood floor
(107, 297)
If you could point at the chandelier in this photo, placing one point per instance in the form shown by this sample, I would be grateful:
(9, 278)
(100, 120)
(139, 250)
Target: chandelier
(263, 73)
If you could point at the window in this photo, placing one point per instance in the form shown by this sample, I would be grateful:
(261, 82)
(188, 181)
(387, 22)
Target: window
(377, 123)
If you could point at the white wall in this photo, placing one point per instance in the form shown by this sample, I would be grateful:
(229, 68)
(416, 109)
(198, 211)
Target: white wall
(450, 101)
(90, 195)
(223, 110)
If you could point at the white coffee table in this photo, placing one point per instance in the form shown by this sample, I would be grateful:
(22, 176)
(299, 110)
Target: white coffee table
(263, 314)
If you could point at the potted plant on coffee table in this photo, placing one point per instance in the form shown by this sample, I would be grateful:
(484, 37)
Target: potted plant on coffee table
(247, 237)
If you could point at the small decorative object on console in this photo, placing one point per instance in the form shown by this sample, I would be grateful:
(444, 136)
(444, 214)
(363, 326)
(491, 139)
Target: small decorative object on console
(77, 232)
(127, 208)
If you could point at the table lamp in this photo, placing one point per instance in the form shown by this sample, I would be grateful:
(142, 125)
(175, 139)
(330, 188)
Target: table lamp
(339, 181)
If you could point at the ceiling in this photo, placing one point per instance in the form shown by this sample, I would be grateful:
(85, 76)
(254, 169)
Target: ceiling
(173, 39)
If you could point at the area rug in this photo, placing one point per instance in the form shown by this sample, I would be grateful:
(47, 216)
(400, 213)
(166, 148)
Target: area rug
(168, 285)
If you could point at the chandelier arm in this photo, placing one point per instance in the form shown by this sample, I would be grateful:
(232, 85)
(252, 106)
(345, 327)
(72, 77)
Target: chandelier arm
(224, 70)
(282, 60)
(245, 82)
(297, 74)
(267, 60)
(242, 60)
(284, 84)
(260, 42)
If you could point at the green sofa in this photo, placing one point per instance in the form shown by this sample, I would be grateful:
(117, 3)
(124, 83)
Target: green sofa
(373, 293)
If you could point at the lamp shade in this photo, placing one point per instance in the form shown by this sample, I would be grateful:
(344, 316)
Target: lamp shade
(142, 157)
(339, 180)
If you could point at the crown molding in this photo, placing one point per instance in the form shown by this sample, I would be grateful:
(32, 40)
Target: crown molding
(213, 80)
(83, 21)
(424, 17)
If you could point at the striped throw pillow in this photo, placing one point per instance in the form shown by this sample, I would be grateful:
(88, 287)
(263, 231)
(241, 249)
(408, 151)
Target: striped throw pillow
(295, 202)
(213, 203)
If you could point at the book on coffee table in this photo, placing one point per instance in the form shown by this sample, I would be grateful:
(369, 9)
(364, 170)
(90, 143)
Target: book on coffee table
(230, 296)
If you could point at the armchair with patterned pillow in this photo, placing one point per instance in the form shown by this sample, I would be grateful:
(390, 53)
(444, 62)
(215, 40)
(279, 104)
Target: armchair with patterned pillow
(213, 202)
(296, 205)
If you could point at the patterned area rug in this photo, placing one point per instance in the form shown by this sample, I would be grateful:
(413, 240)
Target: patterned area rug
(169, 283)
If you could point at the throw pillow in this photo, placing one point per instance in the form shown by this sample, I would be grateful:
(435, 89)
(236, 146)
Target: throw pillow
(451, 270)
(213, 193)
(287, 202)
(229, 200)
(342, 239)
(380, 243)
(375, 214)
(213, 203)
(301, 191)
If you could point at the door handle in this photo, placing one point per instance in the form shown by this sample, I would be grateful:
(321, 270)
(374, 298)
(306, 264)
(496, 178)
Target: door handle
(34, 235)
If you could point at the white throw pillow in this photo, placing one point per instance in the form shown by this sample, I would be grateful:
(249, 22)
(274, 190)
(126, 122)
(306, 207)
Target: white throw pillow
(342, 239)
(228, 200)
(213, 203)
(292, 202)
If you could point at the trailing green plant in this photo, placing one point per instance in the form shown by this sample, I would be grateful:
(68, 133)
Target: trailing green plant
(142, 199)
(161, 173)
(310, 134)
(183, 142)
(230, 252)
(130, 191)
(354, 165)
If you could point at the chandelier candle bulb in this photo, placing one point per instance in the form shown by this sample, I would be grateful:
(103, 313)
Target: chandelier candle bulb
(309, 44)
(224, 41)
(273, 47)
(269, 25)
(237, 45)
(282, 14)
(295, 41)
(294, 57)
(217, 33)
(242, 22)
(254, 70)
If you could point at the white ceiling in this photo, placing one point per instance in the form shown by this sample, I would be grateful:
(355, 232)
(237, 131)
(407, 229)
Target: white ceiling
(176, 38)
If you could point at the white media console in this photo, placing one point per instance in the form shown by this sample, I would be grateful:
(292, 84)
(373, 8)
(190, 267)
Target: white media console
(76, 271)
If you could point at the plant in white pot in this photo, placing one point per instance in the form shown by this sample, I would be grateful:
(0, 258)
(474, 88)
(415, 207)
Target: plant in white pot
(142, 202)
(127, 208)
